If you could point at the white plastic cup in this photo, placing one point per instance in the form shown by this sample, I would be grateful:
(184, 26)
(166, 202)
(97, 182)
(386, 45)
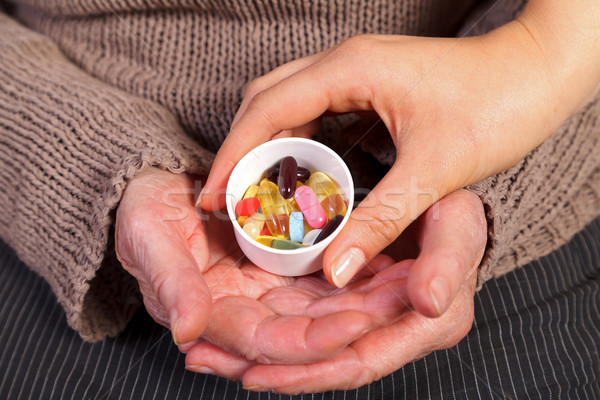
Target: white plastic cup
(249, 170)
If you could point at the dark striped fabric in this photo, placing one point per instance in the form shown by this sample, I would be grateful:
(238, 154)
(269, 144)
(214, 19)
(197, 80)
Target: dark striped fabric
(536, 335)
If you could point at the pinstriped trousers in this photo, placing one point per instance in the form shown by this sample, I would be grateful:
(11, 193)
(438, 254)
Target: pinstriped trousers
(536, 334)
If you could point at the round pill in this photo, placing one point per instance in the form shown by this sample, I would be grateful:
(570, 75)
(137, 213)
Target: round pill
(247, 207)
(310, 237)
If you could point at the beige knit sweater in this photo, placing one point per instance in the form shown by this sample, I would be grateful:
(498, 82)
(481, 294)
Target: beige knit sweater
(93, 91)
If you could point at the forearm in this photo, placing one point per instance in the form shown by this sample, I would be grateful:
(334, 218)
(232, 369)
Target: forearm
(567, 36)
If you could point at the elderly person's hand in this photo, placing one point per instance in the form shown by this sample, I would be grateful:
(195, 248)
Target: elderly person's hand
(195, 280)
(448, 240)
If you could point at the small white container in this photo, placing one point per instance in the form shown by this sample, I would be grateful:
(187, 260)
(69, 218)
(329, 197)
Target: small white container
(249, 170)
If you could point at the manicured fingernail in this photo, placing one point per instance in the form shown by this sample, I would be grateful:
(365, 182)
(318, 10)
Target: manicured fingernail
(200, 369)
(439, 292)
(346, 266)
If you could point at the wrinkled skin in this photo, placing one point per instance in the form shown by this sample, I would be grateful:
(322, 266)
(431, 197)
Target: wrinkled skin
(241, 322)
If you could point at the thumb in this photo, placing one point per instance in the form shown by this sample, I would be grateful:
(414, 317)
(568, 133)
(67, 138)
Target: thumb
(397, 200)
(169, 279)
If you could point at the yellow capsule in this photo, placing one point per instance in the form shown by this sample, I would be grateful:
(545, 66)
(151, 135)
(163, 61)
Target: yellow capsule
(322, 185)
(334, 205)
(274, 209)
(266, 240)
(292, 205)
(252, 191)
(242, 220)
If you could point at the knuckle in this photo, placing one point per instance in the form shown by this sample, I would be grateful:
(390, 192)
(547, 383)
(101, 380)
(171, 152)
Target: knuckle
(255, 87)
(385, 225)
(158, 281)
(258, 107)
(359, 43)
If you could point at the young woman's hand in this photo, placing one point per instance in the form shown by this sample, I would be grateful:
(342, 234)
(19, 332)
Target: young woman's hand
(458, 110)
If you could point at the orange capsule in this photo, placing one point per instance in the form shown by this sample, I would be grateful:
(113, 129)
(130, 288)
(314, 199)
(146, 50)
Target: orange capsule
(333, 205)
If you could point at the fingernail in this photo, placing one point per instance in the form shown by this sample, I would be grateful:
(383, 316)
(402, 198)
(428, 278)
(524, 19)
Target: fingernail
(174, 317)
(256, 388)
(439, 292)
(203, 192)
(346, 266)
(200, 369)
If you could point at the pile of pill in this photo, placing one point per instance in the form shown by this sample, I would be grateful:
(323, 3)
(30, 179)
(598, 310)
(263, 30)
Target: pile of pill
(291, 207)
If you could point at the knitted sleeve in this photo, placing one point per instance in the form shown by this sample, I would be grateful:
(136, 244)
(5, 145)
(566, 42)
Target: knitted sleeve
(69, 143)
(540, 203)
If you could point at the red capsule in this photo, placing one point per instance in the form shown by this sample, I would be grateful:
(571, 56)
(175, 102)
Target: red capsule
(288, 169)
(329, 228)
(247, 207)
(273, 173)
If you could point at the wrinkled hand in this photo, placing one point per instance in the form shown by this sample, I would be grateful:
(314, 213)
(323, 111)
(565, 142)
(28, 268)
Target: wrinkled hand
(457, 110)
(449, 239)
(195, 280)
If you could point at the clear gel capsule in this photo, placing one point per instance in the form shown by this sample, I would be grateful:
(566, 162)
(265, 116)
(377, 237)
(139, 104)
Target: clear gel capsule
(274, 209)
(322, 185)
(334, 205)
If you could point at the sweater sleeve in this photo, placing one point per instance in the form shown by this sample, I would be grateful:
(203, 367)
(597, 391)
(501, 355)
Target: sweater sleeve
(69, 145)
(540, 203)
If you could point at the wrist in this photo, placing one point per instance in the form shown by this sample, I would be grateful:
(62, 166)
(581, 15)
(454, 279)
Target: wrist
(568, 37)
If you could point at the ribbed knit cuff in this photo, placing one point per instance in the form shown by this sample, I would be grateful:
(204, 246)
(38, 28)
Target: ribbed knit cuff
(69, 145)
(540, 203)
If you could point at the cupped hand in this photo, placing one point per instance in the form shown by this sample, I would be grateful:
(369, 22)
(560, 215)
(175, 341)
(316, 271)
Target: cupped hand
(458, 110)
(195, 280)
(449, 239)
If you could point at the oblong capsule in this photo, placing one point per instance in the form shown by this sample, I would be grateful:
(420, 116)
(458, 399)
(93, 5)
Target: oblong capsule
(286, 181)
(329, 228)
(279, 226)
(311, 208)
(252, 191)
(274, 209)
(272, 174)
(322, 185)
(333, 205)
